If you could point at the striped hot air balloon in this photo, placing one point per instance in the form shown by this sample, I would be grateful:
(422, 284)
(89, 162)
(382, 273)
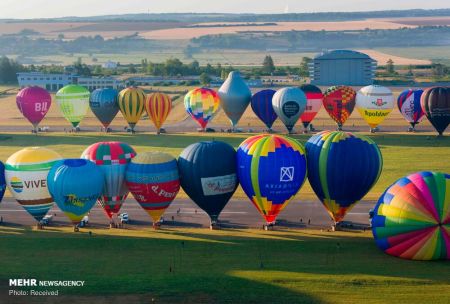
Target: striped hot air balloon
(408, 103)
(73, 101)
(158, 106)
(131, 104)
(339, 102)
(202, 104)
(314, 100)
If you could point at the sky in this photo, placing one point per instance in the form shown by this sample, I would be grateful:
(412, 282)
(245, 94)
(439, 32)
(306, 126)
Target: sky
(62, 8)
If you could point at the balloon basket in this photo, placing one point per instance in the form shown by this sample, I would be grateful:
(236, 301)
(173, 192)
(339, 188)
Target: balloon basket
(76, 228)
(268, 226)
(156, 225)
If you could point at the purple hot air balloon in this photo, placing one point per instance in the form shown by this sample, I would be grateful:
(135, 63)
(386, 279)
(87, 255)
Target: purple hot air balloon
(34, 103)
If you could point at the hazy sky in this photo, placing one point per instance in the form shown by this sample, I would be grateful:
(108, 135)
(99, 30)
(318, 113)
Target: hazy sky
(61, 8)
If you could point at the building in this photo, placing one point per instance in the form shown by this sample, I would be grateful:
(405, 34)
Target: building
(93, 83)
(110, 65)
(342, 67)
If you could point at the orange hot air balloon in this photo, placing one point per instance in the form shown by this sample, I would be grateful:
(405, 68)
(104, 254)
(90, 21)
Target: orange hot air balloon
(339, 101)
(158, 106)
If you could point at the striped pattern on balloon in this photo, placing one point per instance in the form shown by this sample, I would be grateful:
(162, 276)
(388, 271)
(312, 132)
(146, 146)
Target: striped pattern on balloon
(131, 104)
(158, 106)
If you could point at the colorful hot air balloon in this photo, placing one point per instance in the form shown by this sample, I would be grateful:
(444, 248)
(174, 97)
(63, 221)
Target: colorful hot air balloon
(26, 177)
(412, 218)
(158, 106)
(2, 181)
(342, 168)
(153, 180)
(408, 103)
(202, 104)
(131, 104)
(271, 170)
(339, 102)
(289, 104)
(208, 175)
(314, 100)
(262, 106)
(374, 103)
(235, 95)
(33, 103)
(73, 101)
(103, 103)
(435, 104)
(112, 158)
(75, 185)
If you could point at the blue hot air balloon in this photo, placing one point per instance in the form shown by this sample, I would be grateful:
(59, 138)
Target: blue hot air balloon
(408, 103)
(262, 107)
(2, 180)
(208, 175)
(103, 103)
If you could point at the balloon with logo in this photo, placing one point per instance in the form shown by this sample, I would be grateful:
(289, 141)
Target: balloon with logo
(75, 185)
(271, 170)
(435, 104)
(26, 177)
(73, 101)
(314, 100)
(374, 103)
(112, 158)
(342, 168)
(289, 104)
(202, 104)
(152, 178)
(339, 102)
(208, 175)
(131, 104)
(158, 106)
(262, 106)
(103, 103)
(33, 103)
(408, 103)
(2, 181)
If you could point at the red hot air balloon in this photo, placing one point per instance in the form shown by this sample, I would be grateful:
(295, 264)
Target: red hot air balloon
(339, 101)
(314, 100)
(34, 103)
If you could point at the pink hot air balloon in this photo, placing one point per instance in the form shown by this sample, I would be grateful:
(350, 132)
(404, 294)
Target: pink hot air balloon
(34, 103)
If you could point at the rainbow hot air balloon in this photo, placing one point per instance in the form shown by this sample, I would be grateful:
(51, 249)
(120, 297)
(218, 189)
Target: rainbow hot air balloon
(33, 103)
(103, 103)
(202, 104)
(412, 218)
(73, 101)
(112, 158)
(435, 104)
(408, 103)
(26, 177)
(289, 104)
(271, 170)
(153, 180)
(342, 168)
(2, 181)
(262, 106)
(131, 104)
(339, 102)
(314, 100)
(158, 106)
(374, 103)
(75, 185)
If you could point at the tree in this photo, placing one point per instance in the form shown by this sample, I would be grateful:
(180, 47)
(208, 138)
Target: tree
(439, 70)
(205, 80)
(390, 66)
(304, 67)
(268, 65)
(8, 70)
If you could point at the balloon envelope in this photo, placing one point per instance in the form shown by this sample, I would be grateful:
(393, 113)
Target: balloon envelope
(262, 106)
(33, 103)
(374, 103)
(103, 103)
(158, 106)
(435, 104)
(408, 103)
(73, 101)
(2, 180)
(339, 102)
(314, 100)
(202, 104)
(131, 104)
(289, 104)
(412, 218)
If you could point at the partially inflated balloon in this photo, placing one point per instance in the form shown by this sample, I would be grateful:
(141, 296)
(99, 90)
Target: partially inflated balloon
(435, 104)
(339, 102)
(314, 100)
(408, 103)
(75, 185)
(412, 218)
(2, 181)
(26, 177)
(342, 168)
(33, 103)
(73, 101)
(262, 106)
(271, 170)
(374, 103)
(202, 104)
(158, 106)
(289, 104)
(131, 104)
(103, 103)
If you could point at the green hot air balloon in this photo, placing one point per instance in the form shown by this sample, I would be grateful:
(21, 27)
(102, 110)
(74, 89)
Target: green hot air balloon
(73, 101)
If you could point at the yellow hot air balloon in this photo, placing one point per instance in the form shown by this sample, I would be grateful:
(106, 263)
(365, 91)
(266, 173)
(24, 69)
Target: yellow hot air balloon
(131, 104)
(374, 103)
(158, 106)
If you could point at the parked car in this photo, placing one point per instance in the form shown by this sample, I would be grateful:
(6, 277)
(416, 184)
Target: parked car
(84, 221)
(123, 217)
(46, 220)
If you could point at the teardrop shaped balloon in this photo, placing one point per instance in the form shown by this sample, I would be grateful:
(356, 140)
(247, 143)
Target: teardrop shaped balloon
(271, 170)
(314, 100)
(202, 104)
(435, 104)
(408, 103)
(103, 103)
(26, 177)
(112, 158)
(153, 179)
(262, 106)
(235, 95)
(2, 181)
(73, 101)
(34, 103)
(289, 104)
(342, 168)
(75, 194)
(374, 103)
(158, 106)
(131, 104)
(339, 102)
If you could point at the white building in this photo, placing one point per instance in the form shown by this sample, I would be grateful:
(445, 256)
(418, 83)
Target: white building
(109, 65)
(92, 83)
(50, 82)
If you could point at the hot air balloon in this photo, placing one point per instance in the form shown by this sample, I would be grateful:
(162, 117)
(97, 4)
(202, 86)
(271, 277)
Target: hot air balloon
(158, 106)
(339, 101)
(73, 101)
(342, 168)
(72, 191)
(235, 95)
(262, 106)
(202, 104)
(153, 180)
(2, 181)
(409, 106)
(208, 175)
(435, 104)
(33, 103)
(314, 100)
(289, 104)
(412, 218)
(271, 170)
(103, 103)
(112, 158)
(374, 103)
(131, 104)
(26, 177)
